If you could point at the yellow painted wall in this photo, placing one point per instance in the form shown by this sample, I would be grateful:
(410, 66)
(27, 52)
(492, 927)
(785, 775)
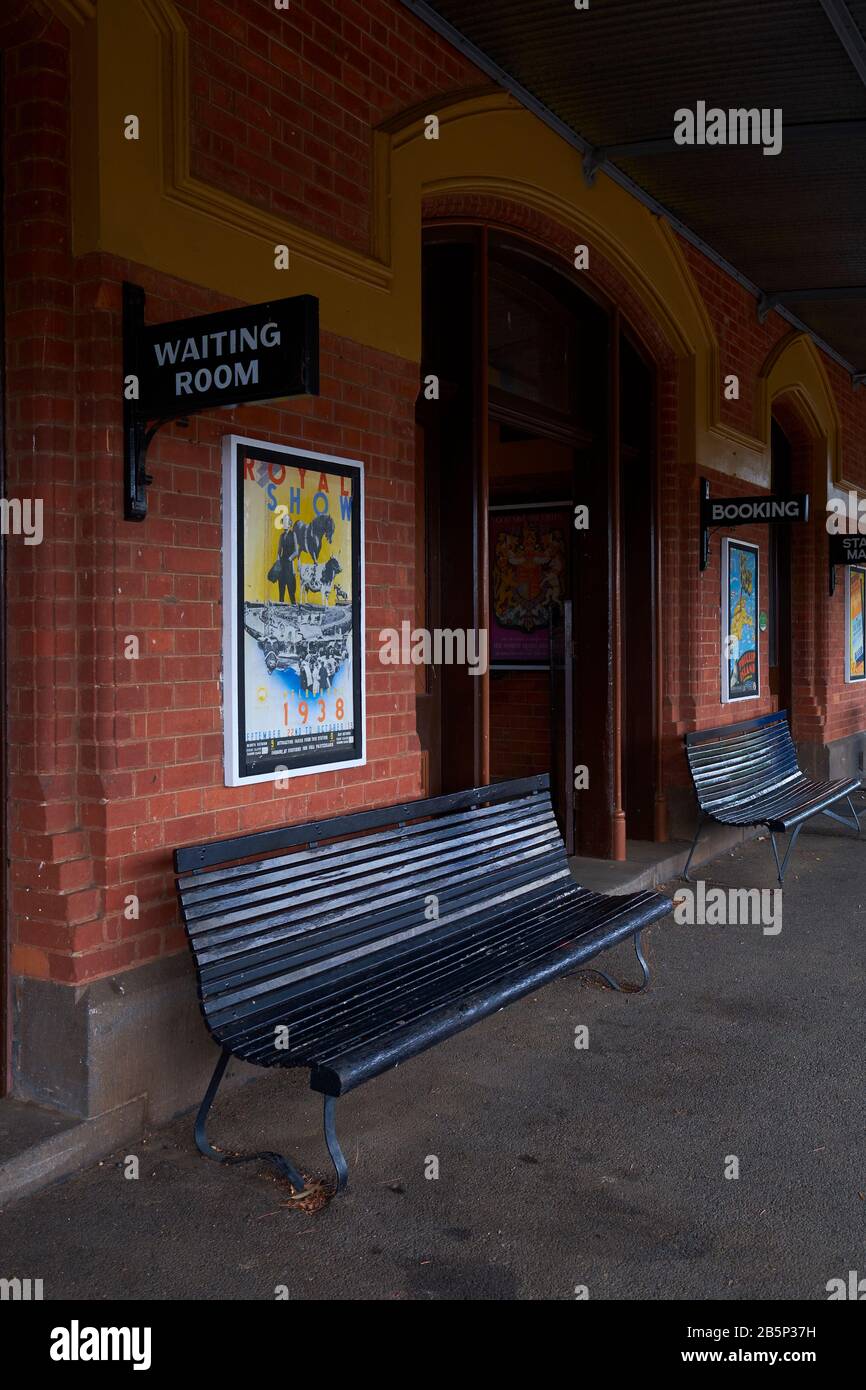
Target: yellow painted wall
(138, 200)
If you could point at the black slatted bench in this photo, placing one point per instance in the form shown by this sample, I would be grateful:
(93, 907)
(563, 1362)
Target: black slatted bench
(349, 945)
(747, 774)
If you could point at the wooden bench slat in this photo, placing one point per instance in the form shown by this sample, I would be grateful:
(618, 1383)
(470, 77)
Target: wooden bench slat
(463, 922)
(350, 1024)
(448, 826)
(263, 842)
(344, 873)
(411, 994)
(371, 941)
(367, 943)
(309, 996)
(352, 1068)
(295, 923)
(377, 1001)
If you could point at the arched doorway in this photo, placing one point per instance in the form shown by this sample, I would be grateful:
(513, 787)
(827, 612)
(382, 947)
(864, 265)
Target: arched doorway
(546, 405)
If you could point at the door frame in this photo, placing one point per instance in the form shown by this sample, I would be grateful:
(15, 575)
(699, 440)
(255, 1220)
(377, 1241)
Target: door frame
(428, 520)
(488, 407)
(5, 910)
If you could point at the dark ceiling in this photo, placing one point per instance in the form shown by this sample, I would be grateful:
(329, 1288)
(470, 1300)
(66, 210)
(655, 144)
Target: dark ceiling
(614, 75)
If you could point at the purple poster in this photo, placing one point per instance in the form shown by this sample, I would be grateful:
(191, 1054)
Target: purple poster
(528, 563)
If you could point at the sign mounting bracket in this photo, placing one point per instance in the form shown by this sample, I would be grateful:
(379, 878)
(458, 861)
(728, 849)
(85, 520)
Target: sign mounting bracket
(172, 370)
(136, 436)
(724, 512)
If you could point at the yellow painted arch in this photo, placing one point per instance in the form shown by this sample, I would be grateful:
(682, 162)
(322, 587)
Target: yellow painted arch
(139, 200)
(795, 369)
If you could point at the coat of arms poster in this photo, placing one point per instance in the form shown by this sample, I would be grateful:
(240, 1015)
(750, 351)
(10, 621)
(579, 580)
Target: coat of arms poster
(529, 574)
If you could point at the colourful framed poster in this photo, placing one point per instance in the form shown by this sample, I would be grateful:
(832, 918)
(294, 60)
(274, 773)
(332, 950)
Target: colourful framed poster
(741, 667)
(293, 612)
(855, 607)
(528, 573)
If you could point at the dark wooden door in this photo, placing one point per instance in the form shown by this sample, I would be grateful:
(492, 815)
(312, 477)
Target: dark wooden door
(5, 1022)
(451, 723)
(561, 719)
(637, 570)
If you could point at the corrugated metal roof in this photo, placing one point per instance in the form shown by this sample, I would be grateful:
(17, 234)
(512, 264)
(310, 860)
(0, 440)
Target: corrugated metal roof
(615, 74)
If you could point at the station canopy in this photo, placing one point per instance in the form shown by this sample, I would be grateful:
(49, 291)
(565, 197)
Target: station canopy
(610, 79)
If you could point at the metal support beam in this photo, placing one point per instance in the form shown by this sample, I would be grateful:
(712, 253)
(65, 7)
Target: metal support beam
(848, 33)
(666, 144)
(829, 292)
(772, 299)
(497, 74)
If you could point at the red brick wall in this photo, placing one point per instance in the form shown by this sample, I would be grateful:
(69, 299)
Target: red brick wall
(52, 897)
(113, 763)
(141, 746)
(744, 343)
(825, 708)
(519, 723)
(284, 101)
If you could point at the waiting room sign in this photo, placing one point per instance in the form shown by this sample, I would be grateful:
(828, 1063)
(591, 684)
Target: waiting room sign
(260, 352)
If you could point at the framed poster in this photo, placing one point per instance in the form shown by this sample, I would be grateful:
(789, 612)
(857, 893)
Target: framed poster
(741, 671)
(293, 612)
(855, 606)
(528, 546)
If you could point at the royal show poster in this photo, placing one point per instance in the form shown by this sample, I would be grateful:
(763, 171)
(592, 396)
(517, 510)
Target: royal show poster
(298, 697)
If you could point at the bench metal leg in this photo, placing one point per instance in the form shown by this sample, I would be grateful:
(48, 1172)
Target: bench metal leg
(614, 984)
(685, 873)
(780, 868)
(283, 1165)
(338, 1158)
(853, 810)
(834, 815)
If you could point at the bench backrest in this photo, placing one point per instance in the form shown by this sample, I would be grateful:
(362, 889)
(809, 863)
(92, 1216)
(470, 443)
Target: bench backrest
(732, 765)
(294, 911)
